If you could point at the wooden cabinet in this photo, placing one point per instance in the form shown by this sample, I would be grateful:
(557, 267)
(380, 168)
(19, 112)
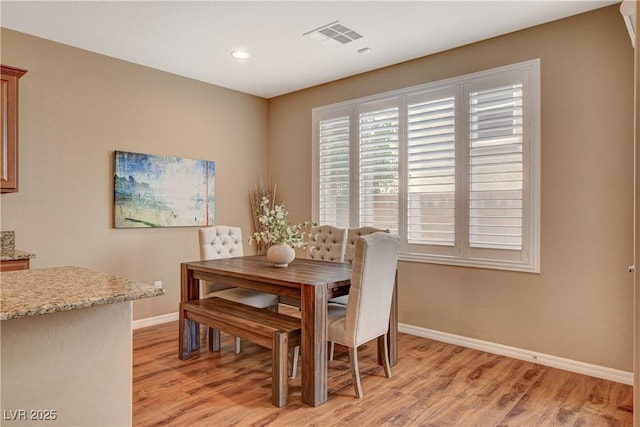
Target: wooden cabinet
(9, 128)
(15, 264)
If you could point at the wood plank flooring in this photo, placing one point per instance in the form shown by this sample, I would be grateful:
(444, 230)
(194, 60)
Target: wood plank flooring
(434, 384)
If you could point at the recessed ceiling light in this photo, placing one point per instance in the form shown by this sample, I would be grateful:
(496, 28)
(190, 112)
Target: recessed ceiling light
(365, 50)
(240, 54)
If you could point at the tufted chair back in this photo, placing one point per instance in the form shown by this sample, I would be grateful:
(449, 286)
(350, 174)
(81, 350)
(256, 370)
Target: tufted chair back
(220, 241)
(327, 243)
(352, 238)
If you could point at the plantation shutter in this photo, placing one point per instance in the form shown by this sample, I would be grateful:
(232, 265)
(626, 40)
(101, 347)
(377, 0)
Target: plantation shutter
(334, 171)
(431, 173)
(452, 167)
(378, 165)
(496, 167)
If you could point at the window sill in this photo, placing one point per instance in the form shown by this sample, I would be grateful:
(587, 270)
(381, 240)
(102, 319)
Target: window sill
(475, 263)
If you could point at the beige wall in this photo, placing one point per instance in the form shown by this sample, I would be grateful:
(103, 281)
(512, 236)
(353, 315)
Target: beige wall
(76, 108)
(580, 306)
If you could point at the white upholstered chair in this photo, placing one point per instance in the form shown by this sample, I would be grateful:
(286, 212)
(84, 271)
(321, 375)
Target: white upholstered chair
(222, 241)
(367, 314)
(327, 243)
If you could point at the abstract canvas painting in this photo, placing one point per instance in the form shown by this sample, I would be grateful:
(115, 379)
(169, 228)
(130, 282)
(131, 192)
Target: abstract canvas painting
(162, 191)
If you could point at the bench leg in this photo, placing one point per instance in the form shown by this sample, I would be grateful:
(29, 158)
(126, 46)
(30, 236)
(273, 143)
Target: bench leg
(181, 333)
(280, 353)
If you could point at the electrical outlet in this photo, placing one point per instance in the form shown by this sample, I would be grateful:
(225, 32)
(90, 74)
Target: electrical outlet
(158, 284)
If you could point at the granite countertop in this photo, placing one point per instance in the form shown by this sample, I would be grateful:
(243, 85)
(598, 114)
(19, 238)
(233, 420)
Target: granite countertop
(14, 254)
(49, 290)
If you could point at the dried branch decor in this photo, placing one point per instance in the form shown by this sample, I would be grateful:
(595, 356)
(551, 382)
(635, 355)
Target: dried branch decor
(256, 197)
(271, 221)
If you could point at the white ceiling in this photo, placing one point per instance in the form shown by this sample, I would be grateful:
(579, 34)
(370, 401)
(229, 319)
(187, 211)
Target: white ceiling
(194, 38)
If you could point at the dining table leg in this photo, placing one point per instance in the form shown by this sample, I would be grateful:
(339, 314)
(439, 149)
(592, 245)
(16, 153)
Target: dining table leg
(313, 304)
(189, 330)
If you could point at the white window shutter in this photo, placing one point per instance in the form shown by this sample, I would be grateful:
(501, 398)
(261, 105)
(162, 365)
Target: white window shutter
(378, 166)
(496, 167)
(431, 169)
(333, 181)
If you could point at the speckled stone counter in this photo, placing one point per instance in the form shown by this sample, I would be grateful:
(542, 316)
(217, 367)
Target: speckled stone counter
(14, 254)
(72, 366)
(49, 290)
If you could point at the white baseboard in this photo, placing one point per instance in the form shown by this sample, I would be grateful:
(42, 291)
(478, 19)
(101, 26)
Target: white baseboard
(610, 374)
(152, 321)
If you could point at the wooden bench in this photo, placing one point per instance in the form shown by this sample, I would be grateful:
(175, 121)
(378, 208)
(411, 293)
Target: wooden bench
(267, 328)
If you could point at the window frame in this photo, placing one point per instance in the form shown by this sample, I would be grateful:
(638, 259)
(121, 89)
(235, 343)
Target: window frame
(461, 254)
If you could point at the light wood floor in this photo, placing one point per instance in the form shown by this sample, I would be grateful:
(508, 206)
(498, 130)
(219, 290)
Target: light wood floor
(434, 384)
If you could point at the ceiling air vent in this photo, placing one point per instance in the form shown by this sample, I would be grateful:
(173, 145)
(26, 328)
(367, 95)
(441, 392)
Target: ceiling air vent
(334, 34)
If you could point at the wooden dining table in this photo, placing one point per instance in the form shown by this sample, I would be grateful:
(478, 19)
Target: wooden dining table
(311, 282)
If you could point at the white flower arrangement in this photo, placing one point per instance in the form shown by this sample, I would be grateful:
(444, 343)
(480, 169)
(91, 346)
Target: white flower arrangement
(276, 228)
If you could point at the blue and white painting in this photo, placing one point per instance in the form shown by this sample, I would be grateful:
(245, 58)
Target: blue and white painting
(162, 191)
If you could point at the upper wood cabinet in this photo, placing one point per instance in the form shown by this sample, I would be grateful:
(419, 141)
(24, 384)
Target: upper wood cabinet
(9, 128)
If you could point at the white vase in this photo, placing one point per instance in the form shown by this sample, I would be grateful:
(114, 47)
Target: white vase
(281, 254)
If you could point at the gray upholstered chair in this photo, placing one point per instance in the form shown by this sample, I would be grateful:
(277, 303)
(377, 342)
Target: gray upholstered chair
(350, 251)
(327, 243)
(352, 237)
(221, 241)
(367, 314)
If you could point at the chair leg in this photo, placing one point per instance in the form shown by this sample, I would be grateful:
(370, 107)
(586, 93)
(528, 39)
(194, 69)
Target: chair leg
(355, 373)
(214, 339)
(185, 326)
(294, 365)
(237, 345)
(387, 367)
(332, 347)
(195, 336)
